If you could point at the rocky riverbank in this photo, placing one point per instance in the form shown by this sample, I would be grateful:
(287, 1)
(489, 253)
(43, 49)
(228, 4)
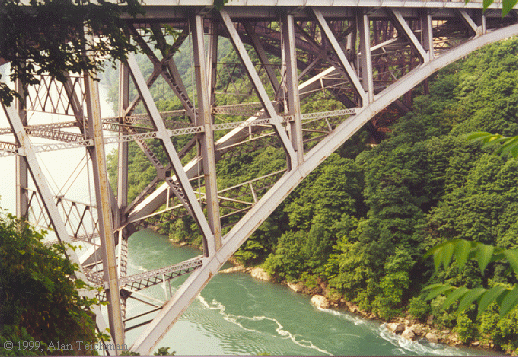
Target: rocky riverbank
(407, 327)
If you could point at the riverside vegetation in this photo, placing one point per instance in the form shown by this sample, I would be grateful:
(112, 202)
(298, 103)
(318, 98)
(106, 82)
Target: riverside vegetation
(41, 311)
(357, 228)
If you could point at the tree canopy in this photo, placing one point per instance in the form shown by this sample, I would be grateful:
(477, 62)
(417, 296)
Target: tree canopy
(61, 36)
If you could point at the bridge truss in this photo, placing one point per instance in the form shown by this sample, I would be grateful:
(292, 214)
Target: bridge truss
(288, 55)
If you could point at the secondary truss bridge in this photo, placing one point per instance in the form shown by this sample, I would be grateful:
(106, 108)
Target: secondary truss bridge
(368, 55)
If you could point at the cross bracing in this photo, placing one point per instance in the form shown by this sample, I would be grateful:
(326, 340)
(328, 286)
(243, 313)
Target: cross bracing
(368, 55)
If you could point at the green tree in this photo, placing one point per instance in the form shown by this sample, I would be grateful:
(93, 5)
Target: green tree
(38, 298)
(59, 36)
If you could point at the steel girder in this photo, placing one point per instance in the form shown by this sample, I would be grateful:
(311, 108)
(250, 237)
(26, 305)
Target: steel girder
(320, 49)
(246, 226)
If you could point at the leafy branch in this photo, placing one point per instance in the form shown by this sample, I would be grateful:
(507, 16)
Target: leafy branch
(506, 145)
(59, 36)
(507, 5)
(461, 251)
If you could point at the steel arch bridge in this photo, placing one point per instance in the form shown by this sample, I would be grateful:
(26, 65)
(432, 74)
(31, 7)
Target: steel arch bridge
(368, 54)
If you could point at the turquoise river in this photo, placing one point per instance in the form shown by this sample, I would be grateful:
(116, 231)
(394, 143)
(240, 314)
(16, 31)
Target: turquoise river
(238, 315)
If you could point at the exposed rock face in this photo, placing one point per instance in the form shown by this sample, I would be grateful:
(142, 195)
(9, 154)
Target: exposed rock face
(320, 302)
(259, 273)
(297, 288)
(429, 322)
(237, 269)
(417, 329)
(430, 336)
(396, 327)
(409, 334)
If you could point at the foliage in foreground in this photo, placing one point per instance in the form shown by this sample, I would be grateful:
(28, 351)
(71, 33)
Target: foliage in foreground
(462, 251)
(39, 301)
(56, 37)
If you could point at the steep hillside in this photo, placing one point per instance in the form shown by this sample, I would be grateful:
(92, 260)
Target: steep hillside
(358, 226)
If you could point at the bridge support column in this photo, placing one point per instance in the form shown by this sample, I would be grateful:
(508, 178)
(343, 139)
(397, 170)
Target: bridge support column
(481, 22)
(22, 202)
(205, 119)
(122, 175)
(104, 213)
(427, 33)
(367, 77)
(293, 96)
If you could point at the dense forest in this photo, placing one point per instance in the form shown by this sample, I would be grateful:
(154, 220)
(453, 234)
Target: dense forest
(360, 224)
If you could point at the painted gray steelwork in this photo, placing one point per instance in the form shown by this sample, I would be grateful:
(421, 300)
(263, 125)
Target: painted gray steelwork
(368, 54)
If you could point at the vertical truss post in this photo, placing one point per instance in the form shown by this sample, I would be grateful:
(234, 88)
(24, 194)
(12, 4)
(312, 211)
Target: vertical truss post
(275, 119)
(427, 33)
(104, 212)
(212, 60)
(122, 176)
(293, 96)
(22, 202)
(367, 78)
(205, 118)
(481, 23)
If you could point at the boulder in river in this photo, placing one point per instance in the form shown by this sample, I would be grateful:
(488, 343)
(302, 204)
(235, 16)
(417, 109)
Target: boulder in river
(430, 336)
(396, 327)
(409, 334)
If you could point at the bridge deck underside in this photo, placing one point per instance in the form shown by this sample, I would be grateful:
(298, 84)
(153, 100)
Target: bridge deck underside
(264, 99)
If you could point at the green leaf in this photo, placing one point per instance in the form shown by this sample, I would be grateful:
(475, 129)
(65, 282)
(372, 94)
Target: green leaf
(507, 5)
(437, 289)
(463, 248)
(447, 253)
(509, 301)
(511, 256)
(485, 4)
(483, 254)
(470, 297)
(455, 295)
(479, 136)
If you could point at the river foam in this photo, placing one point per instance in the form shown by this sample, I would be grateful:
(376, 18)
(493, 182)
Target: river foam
(402, 345)
(280, 331)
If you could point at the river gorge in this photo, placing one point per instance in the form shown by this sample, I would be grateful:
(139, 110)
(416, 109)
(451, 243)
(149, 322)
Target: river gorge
(238, 315)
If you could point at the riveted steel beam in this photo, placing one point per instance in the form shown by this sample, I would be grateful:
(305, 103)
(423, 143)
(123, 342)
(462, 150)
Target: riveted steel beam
(164, 136)
(22, 182)
(262, 94)
(402, 25)
(205, 118)
(367, 77)
(104, 212)
(351, 74)
(291, 78)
